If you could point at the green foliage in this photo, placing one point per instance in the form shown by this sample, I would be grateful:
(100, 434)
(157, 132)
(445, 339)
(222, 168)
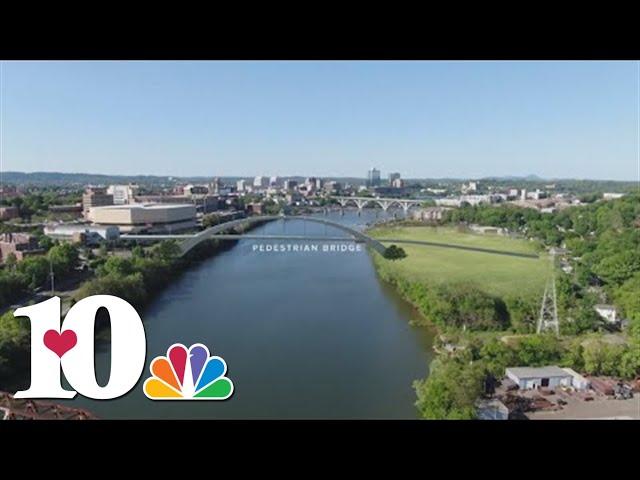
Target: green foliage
(13, 285)
(117, 266)
(46, 243)
(64, 258)
(166, 251)
(627, 297)
(14, 340)
(129, 287)
(136, 278)
(538, 350)
(523, 312)
(601, 358)
(497, 356)
(393, 252)
(581, 318)
(35, 269)
(450, 390)
(211, 220)
(573, 356)
(461, 305)
(11, 261)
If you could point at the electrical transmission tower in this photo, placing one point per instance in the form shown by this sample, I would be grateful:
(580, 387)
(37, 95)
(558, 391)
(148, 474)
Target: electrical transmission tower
(548, 318)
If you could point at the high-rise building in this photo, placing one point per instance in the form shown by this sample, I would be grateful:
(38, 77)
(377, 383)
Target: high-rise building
(260, 182)
(393, 176)
(397, 183)
(290, 184)
(373, 177)
(274, 181)
(215, 186)
(240, 185)
(95, 197)
(122, 194)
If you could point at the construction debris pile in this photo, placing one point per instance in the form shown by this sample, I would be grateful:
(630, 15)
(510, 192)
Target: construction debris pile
(26, 409)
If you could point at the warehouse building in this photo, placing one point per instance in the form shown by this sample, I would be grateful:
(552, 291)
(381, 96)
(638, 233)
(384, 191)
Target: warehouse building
(528, 378)
(146, 218)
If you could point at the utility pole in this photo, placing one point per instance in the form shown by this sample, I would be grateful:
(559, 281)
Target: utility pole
(52, 276)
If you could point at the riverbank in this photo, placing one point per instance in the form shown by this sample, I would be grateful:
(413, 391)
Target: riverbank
(472, 298)
(137, 278)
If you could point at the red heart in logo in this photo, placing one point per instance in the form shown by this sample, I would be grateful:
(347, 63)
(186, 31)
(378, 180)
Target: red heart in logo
(60, 343)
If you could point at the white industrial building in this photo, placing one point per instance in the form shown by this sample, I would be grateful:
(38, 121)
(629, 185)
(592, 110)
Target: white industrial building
(528, 378)
(88, 234)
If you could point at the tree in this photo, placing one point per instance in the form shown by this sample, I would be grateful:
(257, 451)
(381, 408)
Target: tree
(45, 243)
(538, 350)
(393, 252)
(117, 266)
(11, 261)
(523, 312)
(13, 285)
(14, 341)
(35, 269)
(627, 297)
(210, 220)
(63, 257)
(166, 251)
(450, 391)
(601, 358)
(497, 356)
(130, 288)
(573, 356)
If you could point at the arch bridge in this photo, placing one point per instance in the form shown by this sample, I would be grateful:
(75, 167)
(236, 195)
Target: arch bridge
(188, 242)
(384, 203)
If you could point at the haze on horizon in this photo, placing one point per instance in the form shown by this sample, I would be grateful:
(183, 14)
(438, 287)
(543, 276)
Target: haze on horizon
(329, 119)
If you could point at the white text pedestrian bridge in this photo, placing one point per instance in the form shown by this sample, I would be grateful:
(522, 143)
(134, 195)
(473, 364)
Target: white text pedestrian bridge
(218, 232)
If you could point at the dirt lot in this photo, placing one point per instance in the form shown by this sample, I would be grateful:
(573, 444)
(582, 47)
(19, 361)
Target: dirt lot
(599, 408)
(566, 403)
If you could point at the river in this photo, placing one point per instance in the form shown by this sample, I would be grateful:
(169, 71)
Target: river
(304, 334)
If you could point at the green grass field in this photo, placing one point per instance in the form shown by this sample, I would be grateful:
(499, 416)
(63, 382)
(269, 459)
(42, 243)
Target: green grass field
(495, 274)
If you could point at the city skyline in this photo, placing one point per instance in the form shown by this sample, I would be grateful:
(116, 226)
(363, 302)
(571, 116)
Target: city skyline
(430, 120)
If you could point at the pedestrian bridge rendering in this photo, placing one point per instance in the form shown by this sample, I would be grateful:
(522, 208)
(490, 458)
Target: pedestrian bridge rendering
(218, 232)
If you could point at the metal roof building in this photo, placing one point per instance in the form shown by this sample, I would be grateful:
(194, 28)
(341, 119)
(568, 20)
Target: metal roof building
(535, 377)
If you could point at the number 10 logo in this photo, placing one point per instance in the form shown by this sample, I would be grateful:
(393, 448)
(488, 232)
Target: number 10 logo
(72, 349)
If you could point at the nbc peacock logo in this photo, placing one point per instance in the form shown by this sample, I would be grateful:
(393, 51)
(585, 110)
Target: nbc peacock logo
(188, 374)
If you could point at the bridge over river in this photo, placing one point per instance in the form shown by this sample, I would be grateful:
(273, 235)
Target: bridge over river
(218, 232)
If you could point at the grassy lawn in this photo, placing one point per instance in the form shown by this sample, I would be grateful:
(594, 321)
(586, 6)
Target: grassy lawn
(496, 274)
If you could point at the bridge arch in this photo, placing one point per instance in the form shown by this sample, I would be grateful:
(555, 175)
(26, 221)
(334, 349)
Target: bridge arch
(211, 232)
(384, 203)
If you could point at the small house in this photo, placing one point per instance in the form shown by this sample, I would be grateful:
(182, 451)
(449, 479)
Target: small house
(607, 312)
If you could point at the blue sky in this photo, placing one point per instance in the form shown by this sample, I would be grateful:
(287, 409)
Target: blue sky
(423, 119)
